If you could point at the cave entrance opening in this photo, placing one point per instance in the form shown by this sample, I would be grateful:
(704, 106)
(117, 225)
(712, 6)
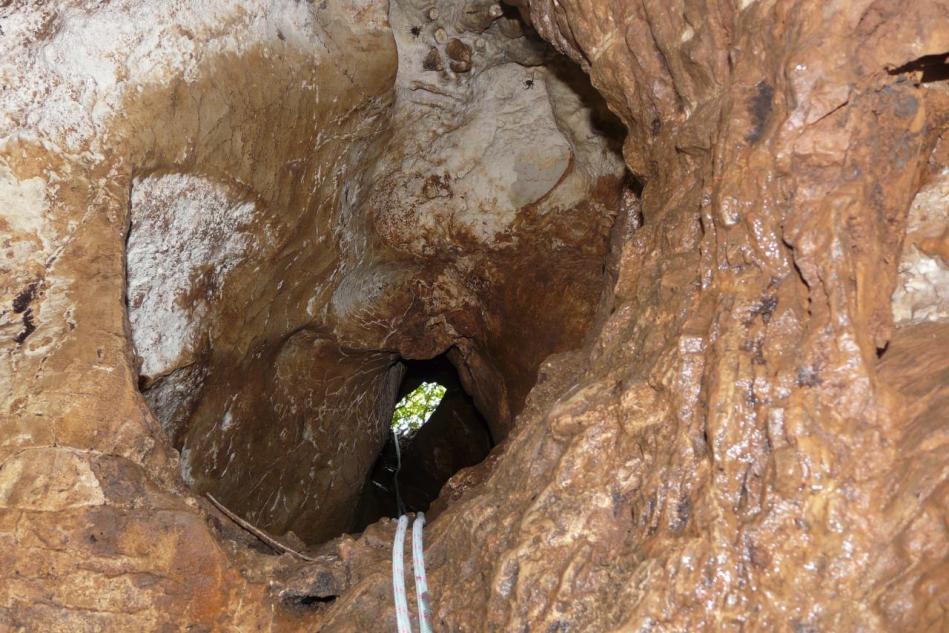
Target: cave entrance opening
(416, 408)
(438, 436)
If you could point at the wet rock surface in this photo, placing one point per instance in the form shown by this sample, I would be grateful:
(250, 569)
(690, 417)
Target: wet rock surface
(720, 397)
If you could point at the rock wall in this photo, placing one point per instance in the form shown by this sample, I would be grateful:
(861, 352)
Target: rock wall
(752, 434)
(206, 202)
(104, 104)
(746, 445)
(270, 336)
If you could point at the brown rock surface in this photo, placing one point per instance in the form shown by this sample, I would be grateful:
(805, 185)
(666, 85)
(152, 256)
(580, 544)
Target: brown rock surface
(252, 210)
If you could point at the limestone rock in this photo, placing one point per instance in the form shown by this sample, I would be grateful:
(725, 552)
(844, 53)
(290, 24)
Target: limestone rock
(719, 381)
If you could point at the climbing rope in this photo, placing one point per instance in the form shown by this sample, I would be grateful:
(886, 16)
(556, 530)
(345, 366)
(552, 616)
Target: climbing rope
(398, 577)
(421, 583)
(399, 506)
(418, 561)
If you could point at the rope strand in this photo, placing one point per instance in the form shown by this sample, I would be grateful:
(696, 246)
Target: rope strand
(399, 506)
(421, 583)
(398, 577)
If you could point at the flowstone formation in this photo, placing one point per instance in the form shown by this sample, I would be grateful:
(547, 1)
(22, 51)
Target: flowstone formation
(718, 381)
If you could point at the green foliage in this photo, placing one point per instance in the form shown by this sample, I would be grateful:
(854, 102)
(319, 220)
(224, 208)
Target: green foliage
(414, 409)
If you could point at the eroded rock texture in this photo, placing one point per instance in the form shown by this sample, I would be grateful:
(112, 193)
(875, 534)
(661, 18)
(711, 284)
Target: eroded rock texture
(284, 215)
(195, 116)
(269, 331)
(731, 452)
(723, 400)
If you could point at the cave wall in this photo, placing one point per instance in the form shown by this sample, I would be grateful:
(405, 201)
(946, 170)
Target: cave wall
(376, 247)
(275, 268)
(752, 436)
(99, 97)
(486, 175)
(189, 208)
(735, 450)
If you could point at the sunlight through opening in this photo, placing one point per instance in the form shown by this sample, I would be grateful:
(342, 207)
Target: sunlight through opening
(416, 408)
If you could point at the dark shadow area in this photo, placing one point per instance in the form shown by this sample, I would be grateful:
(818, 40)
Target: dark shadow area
(934, 68)
(602, 119)
(456, 436)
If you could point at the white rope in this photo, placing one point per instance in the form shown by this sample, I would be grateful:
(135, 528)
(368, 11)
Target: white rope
(398, 577)
(421, 583)
(418, 562)
(399, 506)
